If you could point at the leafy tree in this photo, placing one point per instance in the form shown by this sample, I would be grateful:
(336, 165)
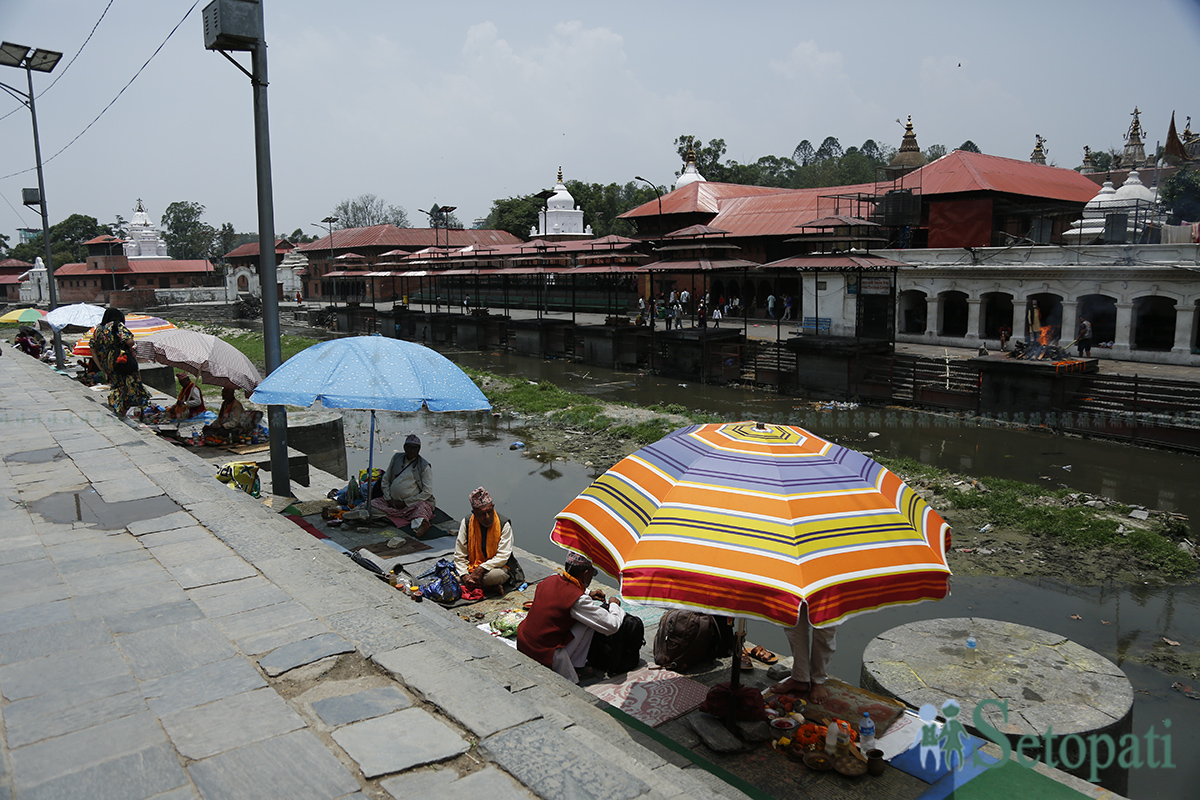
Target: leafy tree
(1182, 192)
(602, 204)
(120, 227)
(515, 215)
(224, 242)
(66, 241)
(804, 154)
(969, 147)
(1104, 160)
(367, 210)
(871, 150)
(830, 148)
(439, 218)
(186, 235)
(3, 245)
(934, 152)
(298, 237)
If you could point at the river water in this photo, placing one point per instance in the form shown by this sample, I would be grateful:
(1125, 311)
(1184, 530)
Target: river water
(1120, 622)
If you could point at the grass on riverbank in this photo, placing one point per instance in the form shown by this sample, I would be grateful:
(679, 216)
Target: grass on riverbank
(1055, 514)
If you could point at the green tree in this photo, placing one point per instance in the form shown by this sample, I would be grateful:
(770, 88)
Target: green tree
(603, 203)
(804, 154)
(367, 210)
(934, 152)
(299, 237)
(969, 147)
(187, 236)
(66, 241)
(515, 215)
(708, 157)
(1181, 192)
(443, 219)
(224, 242)
(3, 245)
(120, 227)
(1104, 160)
(830, 148)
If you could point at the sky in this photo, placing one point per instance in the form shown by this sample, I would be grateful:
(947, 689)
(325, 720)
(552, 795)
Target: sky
(462, 103)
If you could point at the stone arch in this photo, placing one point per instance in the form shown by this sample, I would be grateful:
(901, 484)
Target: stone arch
(912, 305)
(955, 313)
(1153, 322)
(245, 279)
(1049, 315)
(996, 313)
(1101, 311)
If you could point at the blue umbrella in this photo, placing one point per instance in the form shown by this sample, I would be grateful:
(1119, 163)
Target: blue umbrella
(375, 373)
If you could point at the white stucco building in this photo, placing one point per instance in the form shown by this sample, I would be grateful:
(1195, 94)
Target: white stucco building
(561, 218)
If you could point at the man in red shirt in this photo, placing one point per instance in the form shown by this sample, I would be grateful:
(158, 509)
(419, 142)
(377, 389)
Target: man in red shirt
(565, 616)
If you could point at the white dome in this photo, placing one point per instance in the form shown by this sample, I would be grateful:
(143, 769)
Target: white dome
(561, 200)
(1133, 190)
(690, 175)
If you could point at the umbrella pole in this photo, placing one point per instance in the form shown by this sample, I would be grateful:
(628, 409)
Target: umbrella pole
(735, 677)
(370, 463)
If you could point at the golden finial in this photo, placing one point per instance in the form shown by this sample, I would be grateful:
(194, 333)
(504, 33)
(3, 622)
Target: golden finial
(560, 173)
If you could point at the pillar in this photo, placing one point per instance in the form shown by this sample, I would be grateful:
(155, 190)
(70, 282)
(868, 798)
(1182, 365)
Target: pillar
(1070, 323)
(1123, 341)
(973, 332)
(933, 316)
(1185, 323)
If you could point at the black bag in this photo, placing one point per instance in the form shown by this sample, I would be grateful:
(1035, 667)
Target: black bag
(126, 362)
(685, 639)
(620, 651)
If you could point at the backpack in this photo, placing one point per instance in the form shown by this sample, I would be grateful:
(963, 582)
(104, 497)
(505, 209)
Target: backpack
(685, 639)
(444, 588)
(619, 651)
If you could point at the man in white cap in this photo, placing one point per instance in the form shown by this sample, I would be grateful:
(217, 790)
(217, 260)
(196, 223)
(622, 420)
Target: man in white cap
(408, 488)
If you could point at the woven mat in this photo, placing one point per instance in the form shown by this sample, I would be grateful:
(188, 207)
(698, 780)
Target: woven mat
(849, 702)
(653, 696)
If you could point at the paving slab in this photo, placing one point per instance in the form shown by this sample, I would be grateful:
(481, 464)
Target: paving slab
(176, 519)
(115, 577)
(204, 573)
(553, 765)
(263, 619)
(37, 616)
(306, 651)
(34, 597)
(189, 533)
(488, 782)
(70, 753)
(195, 551)
(231, 722)
(39, 676)
(146, 773)
(17, 555)
(153, 617)
(373, 629)
(27, 576)
(356, 707)
(29, 721)
(201, 685)
(224, 599)
(261, 643)
(294, 766)
(174, 648)
(484, 710)
(113, 602)
(50, 639)
(399, 741)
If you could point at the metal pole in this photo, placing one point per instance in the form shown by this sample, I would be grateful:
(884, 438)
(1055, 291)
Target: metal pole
(37, 152)
(276, 415)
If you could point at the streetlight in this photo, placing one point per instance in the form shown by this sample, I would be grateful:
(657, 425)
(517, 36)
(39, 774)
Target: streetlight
(329, 221)
(657, 194)
(237, 25)
(36, 60)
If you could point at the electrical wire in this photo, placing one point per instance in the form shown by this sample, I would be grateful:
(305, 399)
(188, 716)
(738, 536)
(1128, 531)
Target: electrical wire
(114, 100)
(58, 77)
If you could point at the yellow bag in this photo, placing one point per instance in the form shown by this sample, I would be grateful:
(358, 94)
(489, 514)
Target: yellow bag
(241, 475)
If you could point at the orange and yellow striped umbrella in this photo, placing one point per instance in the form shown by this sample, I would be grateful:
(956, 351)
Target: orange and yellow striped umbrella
(753, 520)
(139, 325)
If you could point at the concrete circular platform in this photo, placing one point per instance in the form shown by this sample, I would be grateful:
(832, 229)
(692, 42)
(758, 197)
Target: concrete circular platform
(1051, 684)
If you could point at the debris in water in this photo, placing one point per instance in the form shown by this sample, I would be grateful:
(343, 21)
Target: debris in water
(1076, 616)
(1171, 642)
(517, 446)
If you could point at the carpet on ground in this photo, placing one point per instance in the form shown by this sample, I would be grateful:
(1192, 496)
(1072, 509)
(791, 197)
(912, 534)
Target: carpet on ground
(849, 702)
(653, 696)
(931, 767)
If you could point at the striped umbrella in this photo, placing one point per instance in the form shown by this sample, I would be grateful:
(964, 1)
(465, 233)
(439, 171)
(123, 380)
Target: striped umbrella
(139, 325)
(29, 315)
(216, 362)
(751, 521)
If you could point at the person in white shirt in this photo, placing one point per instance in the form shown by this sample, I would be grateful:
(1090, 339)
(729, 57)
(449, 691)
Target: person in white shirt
(407, 488)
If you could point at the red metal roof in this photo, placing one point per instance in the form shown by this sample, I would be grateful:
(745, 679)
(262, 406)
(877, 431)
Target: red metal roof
(141, 266)
(11, 278)
(697, 265)
(251, 249)
(12, 263)
(104, 238)
(765, 211)
(406, 238)
(833, 261)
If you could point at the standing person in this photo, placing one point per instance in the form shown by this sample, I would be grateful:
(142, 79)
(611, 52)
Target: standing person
(299, 299)
(787, 307)
(716, 317)
(1084, 345)
(811, 650)
(684, 296)
(564, 617)
(190, 402)
(110, 339)
(771, 305)
(484, 544)
(678, 316)
(408, 488)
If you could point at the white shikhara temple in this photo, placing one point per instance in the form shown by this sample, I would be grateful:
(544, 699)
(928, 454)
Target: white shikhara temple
(561, 218)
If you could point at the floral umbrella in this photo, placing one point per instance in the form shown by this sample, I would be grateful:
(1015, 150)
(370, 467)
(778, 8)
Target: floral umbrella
(139, 325)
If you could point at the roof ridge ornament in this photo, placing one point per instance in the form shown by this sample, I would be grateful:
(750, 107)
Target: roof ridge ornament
(560, 180)
(1038, 156)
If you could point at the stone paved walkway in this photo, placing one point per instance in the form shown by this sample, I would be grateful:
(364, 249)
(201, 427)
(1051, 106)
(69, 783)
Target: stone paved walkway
(164, 636)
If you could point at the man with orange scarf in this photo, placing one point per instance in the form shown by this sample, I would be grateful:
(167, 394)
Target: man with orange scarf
(484, 544)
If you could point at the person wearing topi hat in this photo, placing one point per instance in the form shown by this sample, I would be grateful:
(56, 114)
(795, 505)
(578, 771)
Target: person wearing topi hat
(408, 488)
(484, 544)
(564, 618)
(190, 402)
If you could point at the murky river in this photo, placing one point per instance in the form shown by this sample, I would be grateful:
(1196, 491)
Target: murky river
(1119, 622)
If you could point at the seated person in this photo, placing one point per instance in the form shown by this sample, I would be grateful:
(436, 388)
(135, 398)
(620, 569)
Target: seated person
(564, 617)
(230, 418)
(90, 374)
(190, 402)
(28, 344)
(484, 545)
(407, 487)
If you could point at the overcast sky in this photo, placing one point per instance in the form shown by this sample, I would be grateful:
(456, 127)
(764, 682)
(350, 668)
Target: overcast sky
(463, 102)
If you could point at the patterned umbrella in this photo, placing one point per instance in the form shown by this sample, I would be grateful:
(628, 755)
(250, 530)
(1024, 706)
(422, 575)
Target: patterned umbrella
(23, 315)
(751, 520)
(139, 325)
(216, 362)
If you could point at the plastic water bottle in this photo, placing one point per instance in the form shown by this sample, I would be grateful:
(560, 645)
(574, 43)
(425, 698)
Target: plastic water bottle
(866, 733)
(831, 737)
(972, 648)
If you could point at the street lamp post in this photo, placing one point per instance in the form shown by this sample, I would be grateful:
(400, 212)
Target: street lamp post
(329, 221)
(433, 213)
(650, 305)
(36, 60)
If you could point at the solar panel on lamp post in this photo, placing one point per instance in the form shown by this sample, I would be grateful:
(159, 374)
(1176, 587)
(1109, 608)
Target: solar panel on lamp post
(36, 60)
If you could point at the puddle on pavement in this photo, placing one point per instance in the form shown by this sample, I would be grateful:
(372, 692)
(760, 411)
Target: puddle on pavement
(43, 456)
(87, 506)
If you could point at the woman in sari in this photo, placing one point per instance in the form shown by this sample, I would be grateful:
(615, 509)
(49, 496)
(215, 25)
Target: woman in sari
(110, 339)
